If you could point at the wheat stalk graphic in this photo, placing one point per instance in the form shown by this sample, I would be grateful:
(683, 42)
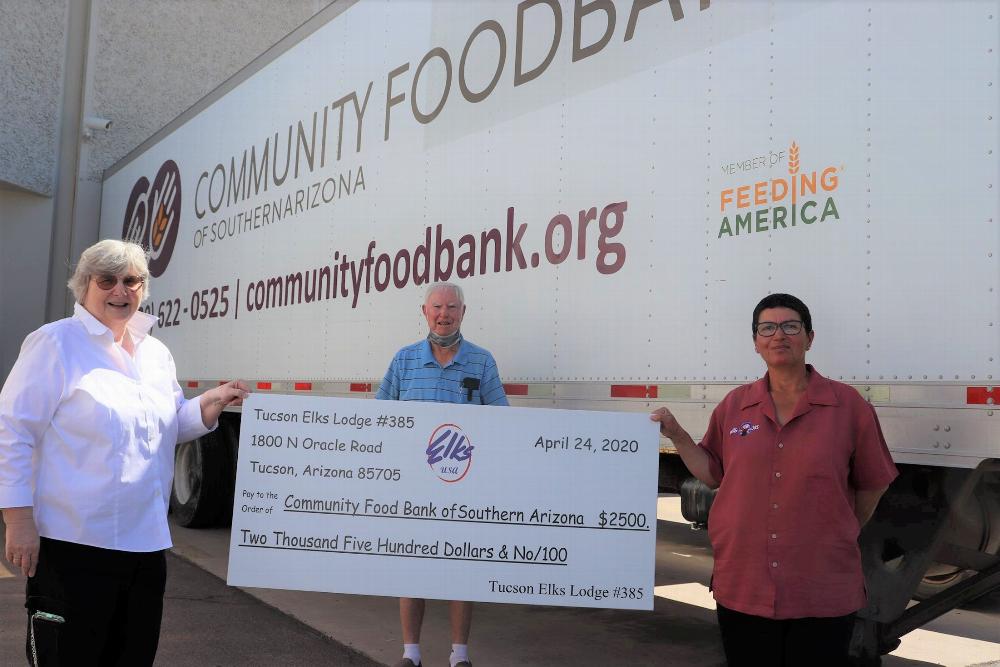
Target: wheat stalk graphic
(793, 168)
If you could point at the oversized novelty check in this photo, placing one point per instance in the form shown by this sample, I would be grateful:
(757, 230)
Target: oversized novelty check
(456, 502)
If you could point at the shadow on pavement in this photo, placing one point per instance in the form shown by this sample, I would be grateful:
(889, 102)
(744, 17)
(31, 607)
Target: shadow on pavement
(205, 622)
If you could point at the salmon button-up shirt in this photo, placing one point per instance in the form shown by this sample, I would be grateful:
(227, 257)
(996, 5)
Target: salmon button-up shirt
(782, 526)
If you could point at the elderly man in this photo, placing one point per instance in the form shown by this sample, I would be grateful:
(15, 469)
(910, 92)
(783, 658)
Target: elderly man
(448, 369)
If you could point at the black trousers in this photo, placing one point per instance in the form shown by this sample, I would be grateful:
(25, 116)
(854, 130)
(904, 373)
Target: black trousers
(764, 642)
(92, 606)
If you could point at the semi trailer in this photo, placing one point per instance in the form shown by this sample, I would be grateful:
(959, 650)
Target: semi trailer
(614, 184)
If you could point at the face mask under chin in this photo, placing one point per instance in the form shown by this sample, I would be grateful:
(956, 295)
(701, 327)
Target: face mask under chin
(444, 341)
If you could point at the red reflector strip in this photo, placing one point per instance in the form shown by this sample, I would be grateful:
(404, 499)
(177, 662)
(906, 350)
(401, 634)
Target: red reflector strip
(264, 385)
(634, 391)
(192, 384)
(303, 386)
(515, 389)
(363, 387)
(982, 395)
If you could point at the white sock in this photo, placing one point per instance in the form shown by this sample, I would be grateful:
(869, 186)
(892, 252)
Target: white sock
(412, 651)
(459, 652)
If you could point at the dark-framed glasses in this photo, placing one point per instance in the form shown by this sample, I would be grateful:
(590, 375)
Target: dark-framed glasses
(788, 327)
(131, 283)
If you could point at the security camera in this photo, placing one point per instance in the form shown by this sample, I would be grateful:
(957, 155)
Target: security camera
(97, 123)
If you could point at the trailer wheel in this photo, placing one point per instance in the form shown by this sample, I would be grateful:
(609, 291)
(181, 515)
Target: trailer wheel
(202, 494)
(976, 527)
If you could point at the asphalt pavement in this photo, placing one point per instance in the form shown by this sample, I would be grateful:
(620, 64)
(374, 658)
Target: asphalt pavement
(205, 622)
(208, 623)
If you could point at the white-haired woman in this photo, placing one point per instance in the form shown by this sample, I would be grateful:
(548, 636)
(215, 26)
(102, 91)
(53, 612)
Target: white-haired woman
(89, 418)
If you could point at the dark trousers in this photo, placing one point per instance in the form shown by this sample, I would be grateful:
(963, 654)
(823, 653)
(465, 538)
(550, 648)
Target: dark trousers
(764, 642)
(110, 603)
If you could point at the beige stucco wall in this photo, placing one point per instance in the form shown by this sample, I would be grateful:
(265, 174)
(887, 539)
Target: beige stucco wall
(176, 53)
(32, 47)
(139, 63)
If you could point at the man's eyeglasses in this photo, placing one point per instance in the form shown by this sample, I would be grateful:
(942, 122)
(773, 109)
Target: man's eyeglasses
(788, 327)
(131, 283)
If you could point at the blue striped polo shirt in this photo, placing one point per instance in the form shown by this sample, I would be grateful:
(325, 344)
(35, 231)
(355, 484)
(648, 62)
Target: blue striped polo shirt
(415, 375)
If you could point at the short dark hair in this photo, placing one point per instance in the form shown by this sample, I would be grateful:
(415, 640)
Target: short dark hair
(784, 301)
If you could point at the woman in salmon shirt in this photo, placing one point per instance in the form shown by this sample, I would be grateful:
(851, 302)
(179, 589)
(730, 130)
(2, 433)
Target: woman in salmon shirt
(800, 464)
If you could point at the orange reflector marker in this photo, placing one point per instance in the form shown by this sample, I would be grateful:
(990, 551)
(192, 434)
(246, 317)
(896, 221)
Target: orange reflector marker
(303, 386)
(982, 395)
(363, 387)
(634, 391)
(264, 385)
(515, 389)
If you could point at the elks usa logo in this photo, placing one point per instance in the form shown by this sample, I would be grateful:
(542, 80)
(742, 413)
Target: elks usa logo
(153, 215)
(449, 453)
(744, 429)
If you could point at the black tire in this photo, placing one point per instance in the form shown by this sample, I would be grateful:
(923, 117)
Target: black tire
(976, 527)
(202, 494)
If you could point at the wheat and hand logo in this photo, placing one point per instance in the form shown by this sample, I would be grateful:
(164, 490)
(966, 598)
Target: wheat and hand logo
(153, 214)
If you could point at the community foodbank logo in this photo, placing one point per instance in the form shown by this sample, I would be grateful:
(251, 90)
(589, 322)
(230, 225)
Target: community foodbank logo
(153, 215)
(449, 453)
(801, 198)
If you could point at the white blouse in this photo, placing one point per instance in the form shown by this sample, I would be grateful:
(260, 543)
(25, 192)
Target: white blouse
(87, 433)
